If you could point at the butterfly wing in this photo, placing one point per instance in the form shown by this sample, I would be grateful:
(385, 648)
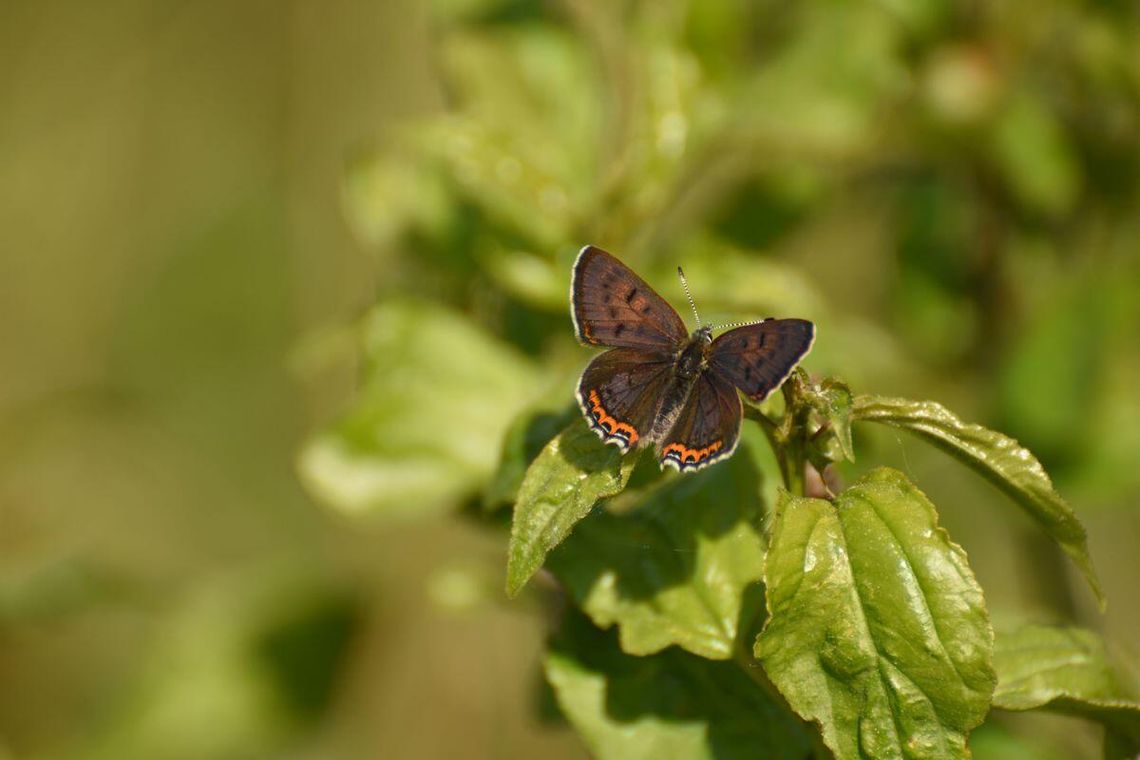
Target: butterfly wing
(612, 306)
(707, 427)
(758, 358)
(620, 391)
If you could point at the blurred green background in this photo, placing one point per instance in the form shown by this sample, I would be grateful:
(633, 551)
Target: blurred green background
(275, 277)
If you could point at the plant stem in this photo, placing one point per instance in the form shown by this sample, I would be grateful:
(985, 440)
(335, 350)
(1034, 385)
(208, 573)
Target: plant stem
(788, 438)
(794, 433)
(792, 463)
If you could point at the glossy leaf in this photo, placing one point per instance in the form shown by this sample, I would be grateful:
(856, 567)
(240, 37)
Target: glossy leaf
(420, 433)
(1064, 670)
(998, 458)
(669, 705)
(876, 627)
(675, 569)
(571, 474)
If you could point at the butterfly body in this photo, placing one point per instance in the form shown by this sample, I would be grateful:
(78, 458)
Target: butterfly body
(660, 385)
(690, 361)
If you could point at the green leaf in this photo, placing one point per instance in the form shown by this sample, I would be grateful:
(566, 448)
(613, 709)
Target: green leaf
(673, 570)
(876, 627)
(998, 458)
(669, 705)
(1064, 670)
(420, 433)
(567, 478)
(840, 404)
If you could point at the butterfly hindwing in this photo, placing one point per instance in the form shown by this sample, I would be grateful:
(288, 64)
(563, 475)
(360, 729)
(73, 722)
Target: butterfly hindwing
(612, 306)
(620, 391)
(758, 358)
(707, 427)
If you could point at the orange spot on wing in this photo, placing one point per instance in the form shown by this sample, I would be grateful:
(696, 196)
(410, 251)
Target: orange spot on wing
(685, 455)
(611, 425)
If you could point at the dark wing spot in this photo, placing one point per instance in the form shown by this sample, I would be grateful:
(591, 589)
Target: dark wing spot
(631, 295)
(747, 372)
(613, 312)
(619, 328)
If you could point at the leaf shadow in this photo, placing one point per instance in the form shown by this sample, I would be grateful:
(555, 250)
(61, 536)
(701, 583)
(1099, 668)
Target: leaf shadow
(679, 688)
(653, 545)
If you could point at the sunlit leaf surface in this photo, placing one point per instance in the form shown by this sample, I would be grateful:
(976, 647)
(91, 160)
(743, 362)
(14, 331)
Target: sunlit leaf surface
(877, 629)
(999, 458)
(566, 480)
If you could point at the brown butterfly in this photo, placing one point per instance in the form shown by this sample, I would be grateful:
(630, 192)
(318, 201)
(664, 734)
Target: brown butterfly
(660, 385)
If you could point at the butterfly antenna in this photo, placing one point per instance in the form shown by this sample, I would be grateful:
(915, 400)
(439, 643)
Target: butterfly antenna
(692, 303)
(739, 324)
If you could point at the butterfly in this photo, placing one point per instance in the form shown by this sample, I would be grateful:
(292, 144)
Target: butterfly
(658, 384)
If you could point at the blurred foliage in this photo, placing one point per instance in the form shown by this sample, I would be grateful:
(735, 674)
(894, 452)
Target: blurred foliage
(948, 189)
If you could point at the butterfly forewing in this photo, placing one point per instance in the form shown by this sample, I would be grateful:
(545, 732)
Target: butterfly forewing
(707, 428)
(612, 306)
(620, 391)
(758, 358)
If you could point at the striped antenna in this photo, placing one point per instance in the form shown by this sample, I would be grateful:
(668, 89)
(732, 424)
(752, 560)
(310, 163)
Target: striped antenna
(739, 324)
(692, 303)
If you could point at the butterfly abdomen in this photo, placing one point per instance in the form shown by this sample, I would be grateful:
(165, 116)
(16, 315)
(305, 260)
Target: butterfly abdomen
(672, 401)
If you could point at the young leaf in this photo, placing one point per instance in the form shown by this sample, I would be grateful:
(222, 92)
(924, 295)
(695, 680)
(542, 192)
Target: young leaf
(675, 569)
(998, 458)
(419, 435)
(667, 705)
(833, 401)
(876, 627)
(561, 486)
(840, 404)
(1064, 670)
